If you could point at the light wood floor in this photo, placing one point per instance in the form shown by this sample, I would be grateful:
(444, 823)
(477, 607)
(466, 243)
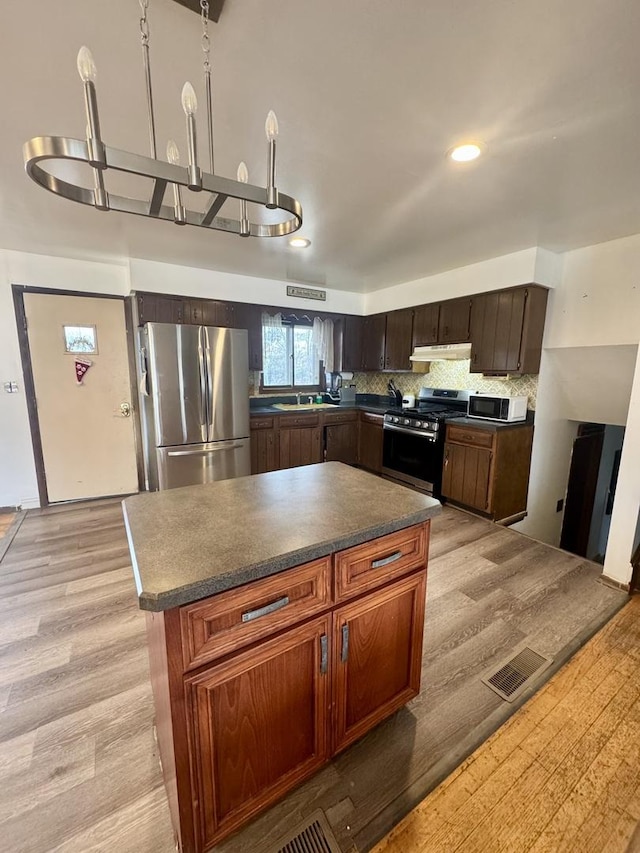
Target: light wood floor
(563, 774)
(78, 763)
(6, 520)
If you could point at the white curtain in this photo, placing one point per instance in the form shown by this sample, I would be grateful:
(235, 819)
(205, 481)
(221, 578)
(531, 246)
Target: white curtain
(274, 320)
(323, 341)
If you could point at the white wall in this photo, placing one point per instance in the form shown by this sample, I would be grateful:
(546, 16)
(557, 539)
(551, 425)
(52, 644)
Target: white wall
(596, 308)
(210, 284)
(627, 501)
(525, 267)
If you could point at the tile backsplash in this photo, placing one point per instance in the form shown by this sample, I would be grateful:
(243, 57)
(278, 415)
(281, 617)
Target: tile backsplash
(443, 374)
(448, 374)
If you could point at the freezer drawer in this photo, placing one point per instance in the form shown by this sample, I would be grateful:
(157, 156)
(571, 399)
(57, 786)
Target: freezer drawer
(190, 465)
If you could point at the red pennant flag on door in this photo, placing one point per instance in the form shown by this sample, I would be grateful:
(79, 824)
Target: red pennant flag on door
(82, 365)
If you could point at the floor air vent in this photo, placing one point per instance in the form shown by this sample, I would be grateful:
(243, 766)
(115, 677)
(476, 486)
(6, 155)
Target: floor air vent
(514, 675)
(312, 836)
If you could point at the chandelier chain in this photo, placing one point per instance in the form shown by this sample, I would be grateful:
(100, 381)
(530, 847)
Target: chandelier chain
(144, 23)
(206, 41)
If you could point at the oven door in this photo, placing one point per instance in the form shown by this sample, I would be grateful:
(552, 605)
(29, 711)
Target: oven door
(414, 458)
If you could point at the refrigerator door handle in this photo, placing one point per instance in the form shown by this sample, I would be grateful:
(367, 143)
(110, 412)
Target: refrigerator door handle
(202, 371)
(208, 366)
(203, 452)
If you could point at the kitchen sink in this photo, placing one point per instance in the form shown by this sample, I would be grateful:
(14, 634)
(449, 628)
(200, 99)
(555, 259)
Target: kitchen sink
(294, 407)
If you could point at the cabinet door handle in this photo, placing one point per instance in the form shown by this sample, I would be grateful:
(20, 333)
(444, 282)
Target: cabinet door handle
(384, 561)
(324, 654)
(250, 615)
(345, 643)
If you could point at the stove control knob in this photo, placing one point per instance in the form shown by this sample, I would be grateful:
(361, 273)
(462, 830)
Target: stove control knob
(406, 421)
(394, 420)
(419, 424)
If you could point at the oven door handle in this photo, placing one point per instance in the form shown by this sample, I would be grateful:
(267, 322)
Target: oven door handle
(417, 433)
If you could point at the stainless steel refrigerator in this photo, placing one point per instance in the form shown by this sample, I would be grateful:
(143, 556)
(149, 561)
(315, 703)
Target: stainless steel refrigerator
(195, 404)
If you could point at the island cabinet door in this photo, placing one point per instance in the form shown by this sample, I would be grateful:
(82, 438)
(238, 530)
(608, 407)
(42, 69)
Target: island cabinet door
(377, 656)
(258, 725)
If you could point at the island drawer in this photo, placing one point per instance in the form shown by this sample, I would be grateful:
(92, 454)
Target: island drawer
(219, 625)
(468, 435)
(374, 563)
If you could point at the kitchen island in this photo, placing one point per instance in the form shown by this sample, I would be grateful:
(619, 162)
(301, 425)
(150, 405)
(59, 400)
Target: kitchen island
(286, 615)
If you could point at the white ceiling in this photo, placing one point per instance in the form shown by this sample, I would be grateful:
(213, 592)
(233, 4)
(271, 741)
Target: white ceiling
(370, 94)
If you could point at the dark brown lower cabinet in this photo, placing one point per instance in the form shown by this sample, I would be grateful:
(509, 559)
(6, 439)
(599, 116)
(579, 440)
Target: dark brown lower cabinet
(370, 441)
(259, 726)
(488, 470)
(377, 656)
(264, 445)
(300, 444)
(341, 442)
(465, 476)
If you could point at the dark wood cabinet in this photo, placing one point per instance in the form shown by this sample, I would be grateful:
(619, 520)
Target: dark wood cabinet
(249, 317)
(352, 338)
(506, 330)
(157, 308)
(398, 339)
(488, 470)
(425, 324)
(260, 726)
(370, 441)
(377, 656)
(264, 445)
(373, 339)
(465, 476)
(341, 441)
(454, 321)
(209, 312)
(300, 440)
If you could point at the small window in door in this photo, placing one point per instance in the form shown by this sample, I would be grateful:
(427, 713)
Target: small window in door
(80, 339)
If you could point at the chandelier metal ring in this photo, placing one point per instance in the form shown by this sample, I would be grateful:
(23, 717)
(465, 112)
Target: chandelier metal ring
(41, 149)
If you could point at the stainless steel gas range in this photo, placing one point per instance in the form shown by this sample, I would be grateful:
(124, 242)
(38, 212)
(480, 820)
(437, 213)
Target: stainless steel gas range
(413, 439)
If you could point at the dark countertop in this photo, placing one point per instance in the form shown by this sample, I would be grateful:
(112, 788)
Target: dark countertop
(192, 542)
(490, 426)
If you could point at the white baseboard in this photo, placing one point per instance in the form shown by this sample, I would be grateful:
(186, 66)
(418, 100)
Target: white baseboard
(30, 503)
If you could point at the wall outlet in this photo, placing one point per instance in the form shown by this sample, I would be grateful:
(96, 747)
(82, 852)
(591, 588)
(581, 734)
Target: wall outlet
(560, 505)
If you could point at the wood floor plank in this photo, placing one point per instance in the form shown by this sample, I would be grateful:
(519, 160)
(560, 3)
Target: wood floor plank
(74, 682)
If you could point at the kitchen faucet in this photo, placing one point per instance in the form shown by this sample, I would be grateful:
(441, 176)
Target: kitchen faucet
(298, 397)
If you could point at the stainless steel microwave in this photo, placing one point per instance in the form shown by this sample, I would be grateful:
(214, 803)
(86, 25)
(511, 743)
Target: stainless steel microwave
(490, 408)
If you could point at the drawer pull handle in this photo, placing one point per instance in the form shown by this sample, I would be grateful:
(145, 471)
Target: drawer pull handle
(345, 643)
(250, 615)
(384, 561)
(324, 654)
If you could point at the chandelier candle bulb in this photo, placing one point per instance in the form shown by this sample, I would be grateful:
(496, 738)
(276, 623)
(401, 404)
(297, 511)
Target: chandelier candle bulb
(88, 72)
(173, 156)
(271, 129)
(190, 106)
(243, 177)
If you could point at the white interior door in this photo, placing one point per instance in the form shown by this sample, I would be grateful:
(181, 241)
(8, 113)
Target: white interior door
(87, 438)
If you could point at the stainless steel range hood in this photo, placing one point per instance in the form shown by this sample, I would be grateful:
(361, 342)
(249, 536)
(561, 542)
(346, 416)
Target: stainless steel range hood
(441, 352)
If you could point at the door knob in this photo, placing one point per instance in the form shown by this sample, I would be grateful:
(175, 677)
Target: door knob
(125, 409)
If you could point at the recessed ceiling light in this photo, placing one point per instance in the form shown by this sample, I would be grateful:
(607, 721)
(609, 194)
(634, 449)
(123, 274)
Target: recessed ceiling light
(299, 242)
(465, 153)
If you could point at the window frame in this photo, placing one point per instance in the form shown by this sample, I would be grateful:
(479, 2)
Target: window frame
(292, 389)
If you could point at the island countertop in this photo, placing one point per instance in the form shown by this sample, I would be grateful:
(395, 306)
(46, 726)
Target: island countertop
(196, 541)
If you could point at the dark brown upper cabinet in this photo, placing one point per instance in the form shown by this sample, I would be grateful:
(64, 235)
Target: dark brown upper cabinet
(425, 325)
(158, 308)
(506, 330)
(249, 317)
(352, 343)
(397, 346)
(455, 321)
(209, 312)
(373, 334)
